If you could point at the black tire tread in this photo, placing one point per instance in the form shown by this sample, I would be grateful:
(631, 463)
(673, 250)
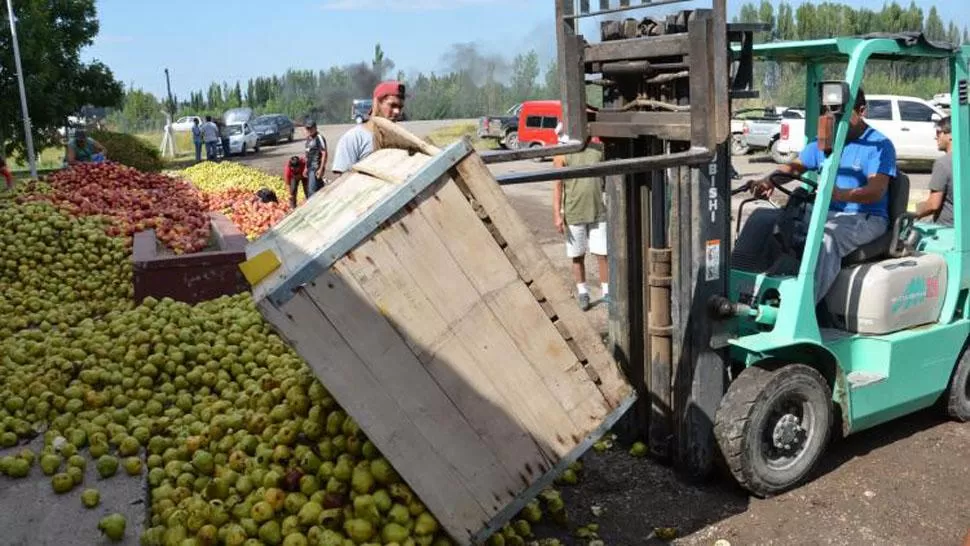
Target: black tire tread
(957, 407)
(733, 420)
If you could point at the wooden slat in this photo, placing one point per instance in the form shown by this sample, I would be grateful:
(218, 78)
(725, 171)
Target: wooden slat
(397, 293)
(306, 232)
(484, 263)
(448, 285)
(638, 48)
(359, 392)
(405, 380)
(477, 181)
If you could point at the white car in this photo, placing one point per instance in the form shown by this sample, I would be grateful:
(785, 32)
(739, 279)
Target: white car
(242, 138)
(908, 122)
(184, 124)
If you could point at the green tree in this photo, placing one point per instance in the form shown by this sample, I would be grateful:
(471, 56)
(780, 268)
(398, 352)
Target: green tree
(51, 35)
(525, 70)
(141, 111)
(553, 85)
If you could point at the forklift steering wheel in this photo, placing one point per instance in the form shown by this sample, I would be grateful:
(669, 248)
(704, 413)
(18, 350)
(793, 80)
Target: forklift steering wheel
(779, 179)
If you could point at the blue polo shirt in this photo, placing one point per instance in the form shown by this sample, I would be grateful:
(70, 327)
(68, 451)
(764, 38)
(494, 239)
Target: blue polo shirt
(870, 154)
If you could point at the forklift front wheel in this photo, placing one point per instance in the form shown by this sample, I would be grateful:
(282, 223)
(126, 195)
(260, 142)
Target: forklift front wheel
(773, 425)
(958, 395)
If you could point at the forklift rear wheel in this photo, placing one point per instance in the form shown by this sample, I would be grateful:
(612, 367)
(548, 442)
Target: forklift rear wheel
(773, 425)
(958, 395)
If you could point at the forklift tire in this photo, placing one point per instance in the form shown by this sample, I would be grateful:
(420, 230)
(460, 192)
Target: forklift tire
(958, 393)
(764, 413)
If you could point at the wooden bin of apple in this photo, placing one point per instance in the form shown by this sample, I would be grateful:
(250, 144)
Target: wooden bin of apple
(179, 248)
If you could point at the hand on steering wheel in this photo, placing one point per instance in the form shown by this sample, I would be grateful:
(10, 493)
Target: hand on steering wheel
(778, 179)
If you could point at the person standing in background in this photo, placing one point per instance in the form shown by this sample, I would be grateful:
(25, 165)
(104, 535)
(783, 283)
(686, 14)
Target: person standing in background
(210, 135)
(579, 213)
(316, 157)
(197, 139)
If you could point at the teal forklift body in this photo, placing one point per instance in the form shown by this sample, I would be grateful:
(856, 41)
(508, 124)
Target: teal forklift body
(875, 378)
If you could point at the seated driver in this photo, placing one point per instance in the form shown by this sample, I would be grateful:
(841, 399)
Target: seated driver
(859, 210)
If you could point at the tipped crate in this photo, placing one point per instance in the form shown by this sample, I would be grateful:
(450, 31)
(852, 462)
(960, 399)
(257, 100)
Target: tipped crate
(420, 300)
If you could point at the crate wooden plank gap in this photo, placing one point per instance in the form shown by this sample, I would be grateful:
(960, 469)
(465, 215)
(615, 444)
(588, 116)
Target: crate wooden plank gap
(418, 298)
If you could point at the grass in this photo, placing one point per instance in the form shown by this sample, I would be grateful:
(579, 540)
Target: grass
(449, 135)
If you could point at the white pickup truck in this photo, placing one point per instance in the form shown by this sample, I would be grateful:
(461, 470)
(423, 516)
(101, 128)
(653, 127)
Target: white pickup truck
(908, 122)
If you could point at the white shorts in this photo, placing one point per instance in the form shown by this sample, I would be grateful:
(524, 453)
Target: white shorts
(583, 237)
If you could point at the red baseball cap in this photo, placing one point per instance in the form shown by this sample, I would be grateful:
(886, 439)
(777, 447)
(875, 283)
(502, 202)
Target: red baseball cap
(387, 89)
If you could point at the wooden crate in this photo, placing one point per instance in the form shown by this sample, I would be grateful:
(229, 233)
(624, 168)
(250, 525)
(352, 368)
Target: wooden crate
(421, 301)
(191, 278)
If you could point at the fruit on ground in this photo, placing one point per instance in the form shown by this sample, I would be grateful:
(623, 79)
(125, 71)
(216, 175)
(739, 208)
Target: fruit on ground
(113, 527)
(90, 498)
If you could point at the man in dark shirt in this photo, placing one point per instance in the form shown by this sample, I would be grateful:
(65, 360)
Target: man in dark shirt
(316, 157)
(939, 205)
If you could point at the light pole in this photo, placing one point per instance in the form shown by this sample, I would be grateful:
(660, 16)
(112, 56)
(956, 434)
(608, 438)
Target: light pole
(23, 92)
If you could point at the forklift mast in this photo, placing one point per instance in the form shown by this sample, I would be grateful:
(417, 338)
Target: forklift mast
(667, 84)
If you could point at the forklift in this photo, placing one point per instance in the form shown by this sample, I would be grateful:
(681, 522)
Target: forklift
(730, 360)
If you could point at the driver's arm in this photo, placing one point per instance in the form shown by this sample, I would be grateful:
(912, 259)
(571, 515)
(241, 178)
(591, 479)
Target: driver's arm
(880, 168)
(872, 192)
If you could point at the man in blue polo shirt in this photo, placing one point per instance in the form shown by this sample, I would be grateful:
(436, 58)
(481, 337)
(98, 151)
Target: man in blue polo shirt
(859, 210)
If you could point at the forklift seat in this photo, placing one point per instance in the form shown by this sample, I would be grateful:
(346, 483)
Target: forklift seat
(878, 248)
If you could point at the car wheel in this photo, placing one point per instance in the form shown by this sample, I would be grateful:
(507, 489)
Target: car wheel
(738, 146)
(256, 149)
(511, 140)
(772, 426)
(242, 151)
(776, 155)
(291, 136)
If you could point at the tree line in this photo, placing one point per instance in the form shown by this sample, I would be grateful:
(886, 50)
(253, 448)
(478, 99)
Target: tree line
(783, 83)
(473, 83)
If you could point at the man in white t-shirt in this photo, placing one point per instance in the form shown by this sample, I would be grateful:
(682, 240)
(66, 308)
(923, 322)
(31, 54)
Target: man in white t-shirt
(358, 143)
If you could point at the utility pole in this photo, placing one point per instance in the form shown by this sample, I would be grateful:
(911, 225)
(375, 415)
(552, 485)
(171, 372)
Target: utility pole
(31, 159)
(171, 101)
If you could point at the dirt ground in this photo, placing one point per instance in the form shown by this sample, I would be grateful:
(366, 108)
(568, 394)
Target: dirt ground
(906, 483)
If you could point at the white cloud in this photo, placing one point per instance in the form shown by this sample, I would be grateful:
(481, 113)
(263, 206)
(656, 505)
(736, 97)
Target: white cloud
(401, 5)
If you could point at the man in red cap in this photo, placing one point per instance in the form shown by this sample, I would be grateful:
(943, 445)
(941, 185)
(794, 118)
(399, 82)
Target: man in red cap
(358, 142)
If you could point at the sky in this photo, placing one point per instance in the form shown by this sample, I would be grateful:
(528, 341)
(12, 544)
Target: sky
(201, 42)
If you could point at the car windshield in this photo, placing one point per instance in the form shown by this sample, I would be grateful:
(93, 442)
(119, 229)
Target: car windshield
(264, 120)
(232, 130)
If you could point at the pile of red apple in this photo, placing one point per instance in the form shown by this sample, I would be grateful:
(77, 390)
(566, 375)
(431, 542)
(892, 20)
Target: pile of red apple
(135, 201)
(252, 216)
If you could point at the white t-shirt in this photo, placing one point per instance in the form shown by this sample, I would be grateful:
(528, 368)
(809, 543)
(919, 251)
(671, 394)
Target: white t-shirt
(210, 131)
(355, 145)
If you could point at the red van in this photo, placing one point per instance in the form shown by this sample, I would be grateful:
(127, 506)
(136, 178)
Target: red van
(537, 123)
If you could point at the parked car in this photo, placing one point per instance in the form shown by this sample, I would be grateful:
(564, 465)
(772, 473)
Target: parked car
(738, 147)
(504, 129)
(242, 138)
(360, 110)
(273, 128)
(909, 122)
(185, 123)
(537, 123)
(764, 133)
(238, 129)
